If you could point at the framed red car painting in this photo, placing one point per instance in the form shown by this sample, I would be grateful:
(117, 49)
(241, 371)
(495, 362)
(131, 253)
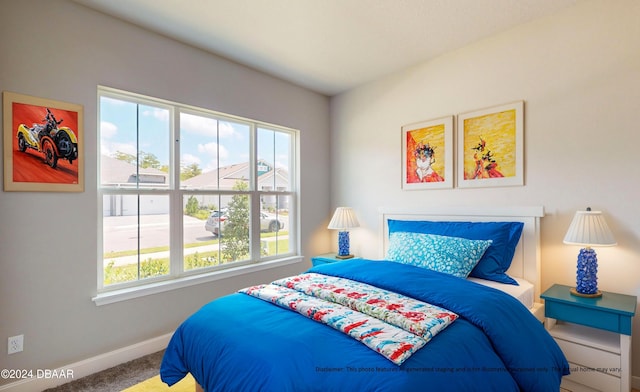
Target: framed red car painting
(43, 144)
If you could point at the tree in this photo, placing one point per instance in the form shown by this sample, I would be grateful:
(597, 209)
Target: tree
(123, 156)
(235, 239)
(147, 159)
(189, 171)
(192, 206)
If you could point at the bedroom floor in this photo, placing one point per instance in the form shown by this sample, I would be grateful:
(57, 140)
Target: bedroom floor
(128, 374)
(117, 378)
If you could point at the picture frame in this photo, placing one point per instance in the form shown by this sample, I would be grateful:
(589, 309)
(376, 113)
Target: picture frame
(491, 146)
(427, 154)
(43, 144)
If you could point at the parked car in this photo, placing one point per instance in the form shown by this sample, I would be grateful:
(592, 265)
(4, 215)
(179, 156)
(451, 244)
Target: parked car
(215, 223)
(218, 219)
(270, 223)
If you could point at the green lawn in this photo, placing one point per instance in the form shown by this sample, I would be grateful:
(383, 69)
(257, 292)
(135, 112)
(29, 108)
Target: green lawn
(151, 267)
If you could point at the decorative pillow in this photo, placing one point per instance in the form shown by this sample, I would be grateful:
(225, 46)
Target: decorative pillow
(496, 260)
(452, 255)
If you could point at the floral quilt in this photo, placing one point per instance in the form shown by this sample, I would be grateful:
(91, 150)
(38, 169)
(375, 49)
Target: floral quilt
(392, 324)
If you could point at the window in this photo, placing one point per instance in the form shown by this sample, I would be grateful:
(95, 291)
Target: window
(187, 191)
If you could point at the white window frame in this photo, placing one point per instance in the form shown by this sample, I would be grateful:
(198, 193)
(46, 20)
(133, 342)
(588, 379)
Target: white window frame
(177, 277)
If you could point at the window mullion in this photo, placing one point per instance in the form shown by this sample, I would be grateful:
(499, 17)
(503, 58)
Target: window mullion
(176, 221)
(254, 198)
(138, 185)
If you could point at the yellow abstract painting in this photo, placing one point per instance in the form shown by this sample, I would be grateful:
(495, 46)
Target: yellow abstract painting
(490, 147)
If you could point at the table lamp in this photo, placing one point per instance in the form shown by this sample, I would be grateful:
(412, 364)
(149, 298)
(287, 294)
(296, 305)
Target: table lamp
(343, 219)
(588, 228)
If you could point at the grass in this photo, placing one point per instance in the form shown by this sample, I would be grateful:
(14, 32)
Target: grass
(133, 252)
(151, 267)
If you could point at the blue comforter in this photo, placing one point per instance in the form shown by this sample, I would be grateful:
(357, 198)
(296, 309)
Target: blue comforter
(240, 343)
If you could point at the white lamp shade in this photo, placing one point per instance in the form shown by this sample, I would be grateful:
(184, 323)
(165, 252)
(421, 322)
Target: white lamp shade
(343, 218)
(589, 228)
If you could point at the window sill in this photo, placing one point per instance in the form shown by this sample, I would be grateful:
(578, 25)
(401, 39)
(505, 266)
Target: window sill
(109, 297)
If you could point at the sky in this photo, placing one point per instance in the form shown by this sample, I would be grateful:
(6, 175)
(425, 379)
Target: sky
(203, 140)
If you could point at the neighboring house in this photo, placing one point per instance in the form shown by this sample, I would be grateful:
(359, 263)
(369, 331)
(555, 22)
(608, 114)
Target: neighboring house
(226, 177)
(123, 174)
(116, 172)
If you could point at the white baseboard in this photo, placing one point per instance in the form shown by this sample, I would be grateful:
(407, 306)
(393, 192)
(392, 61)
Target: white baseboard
(89, 366)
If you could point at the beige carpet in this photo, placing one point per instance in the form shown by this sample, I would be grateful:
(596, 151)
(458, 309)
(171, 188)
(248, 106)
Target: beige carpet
(118, 378)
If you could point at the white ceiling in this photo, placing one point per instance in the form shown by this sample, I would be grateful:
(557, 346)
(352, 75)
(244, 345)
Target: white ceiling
(328, 46)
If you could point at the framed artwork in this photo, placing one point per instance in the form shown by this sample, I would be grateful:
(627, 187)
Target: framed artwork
(490, 146)
(427, 154)
(43, 144)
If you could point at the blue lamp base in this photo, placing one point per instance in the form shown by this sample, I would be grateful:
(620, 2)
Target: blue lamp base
(343, 245)
(586, 277)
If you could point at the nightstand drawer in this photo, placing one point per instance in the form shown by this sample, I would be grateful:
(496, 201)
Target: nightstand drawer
(591, 317)
(596, 380)
(590, 357)
(595, 336)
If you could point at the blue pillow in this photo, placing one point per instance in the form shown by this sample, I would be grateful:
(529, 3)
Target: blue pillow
(496, 260)
(449, 255)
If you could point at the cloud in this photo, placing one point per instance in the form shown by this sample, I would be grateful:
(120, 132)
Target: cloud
(208, 148)
(227, 131)
(188, 159)
(213, 149)
(282, 161)
(160, 114)
(214, 153)
(205, 126)
(198, 125)
(112, 148)
(108, 129)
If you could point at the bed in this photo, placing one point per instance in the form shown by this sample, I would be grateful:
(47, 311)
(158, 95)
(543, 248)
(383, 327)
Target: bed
(525, 264)
(387, 324)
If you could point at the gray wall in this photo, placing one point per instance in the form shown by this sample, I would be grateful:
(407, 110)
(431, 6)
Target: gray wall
(579, 74)
(57, 49)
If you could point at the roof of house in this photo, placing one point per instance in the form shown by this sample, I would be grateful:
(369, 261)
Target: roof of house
(229, 175)
(115, 171)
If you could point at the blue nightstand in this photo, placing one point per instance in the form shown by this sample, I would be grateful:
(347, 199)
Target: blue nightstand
(595, 336)
(328, 258)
